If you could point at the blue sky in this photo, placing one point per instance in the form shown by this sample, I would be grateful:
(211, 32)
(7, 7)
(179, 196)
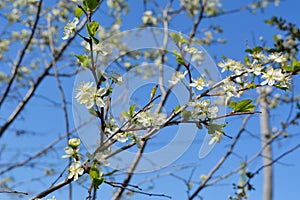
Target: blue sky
(238, 29)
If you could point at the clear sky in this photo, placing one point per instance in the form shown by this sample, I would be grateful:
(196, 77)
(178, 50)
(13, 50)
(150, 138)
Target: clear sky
(239, 29)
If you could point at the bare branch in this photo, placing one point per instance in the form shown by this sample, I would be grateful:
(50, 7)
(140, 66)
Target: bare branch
(18, 63)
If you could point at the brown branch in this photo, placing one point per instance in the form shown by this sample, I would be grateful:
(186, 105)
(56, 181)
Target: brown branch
(44, 150)
(13, 192)
(62, 94)
(130, 172)
(41, 152)
(113, 184)
(198, 20)
(221, 161)
(35, 85)
(52, 189)
(17, 65)
(277, 159)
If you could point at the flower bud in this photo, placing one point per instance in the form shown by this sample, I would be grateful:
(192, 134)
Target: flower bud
(74, 142)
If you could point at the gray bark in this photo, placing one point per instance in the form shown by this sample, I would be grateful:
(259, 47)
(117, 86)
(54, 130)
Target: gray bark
(265, 137)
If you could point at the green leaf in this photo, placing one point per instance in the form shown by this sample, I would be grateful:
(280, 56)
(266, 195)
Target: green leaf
(78, 12)
(93, 112)
(96, 177)
(97, 182)
(251, 86)
(175, 37)
(95, 40)
(91, 4)
(131, 110)
(247, 61)
(178, 38)
(94, 172)
(92, 28)
(153, 91)
(255, 50)
(84, 60)
(295, 65)
(287, 68)
(212, 128)
(179, 59)
(186, 115)
(232, 104)
(177, 108)
(242, 106)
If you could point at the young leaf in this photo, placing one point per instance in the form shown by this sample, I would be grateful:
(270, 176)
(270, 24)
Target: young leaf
(153, 91)
(94, 172)
(242, 106)
(92, 28)
(178, 38)
(97, 182)
(91, 4)
(93, 112)
(247, 61)
(131, 110)
(186, 115)
(179, 59)
(212, 128)
(232, 104)
(177, 108)
(84, 60)
(287, 68)
(78, 12)
(175, 37)
(295, 65)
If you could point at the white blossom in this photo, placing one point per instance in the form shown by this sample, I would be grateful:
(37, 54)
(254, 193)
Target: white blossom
(70, 28)
(199, 83)
(217, 136)
(256, 69)
(149, 120)
(232, 65)
(230, 89)
(277, 57)
(260, 56)
(89, 96)
(101, 48)
(271, 76)
(148, 19)
(101, 158)
(191, 50)
(203, 109)
(177, 77)
(75, 170)
(69, 152)
(120, 137)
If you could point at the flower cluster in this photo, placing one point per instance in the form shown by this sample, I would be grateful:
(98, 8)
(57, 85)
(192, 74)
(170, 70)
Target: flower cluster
(112, 129)
(266, 67)
(89, 95)
(149, 120)
(72, 151)
(202, 110)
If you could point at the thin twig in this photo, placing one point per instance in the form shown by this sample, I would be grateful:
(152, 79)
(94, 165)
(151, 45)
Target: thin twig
(18, 64)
